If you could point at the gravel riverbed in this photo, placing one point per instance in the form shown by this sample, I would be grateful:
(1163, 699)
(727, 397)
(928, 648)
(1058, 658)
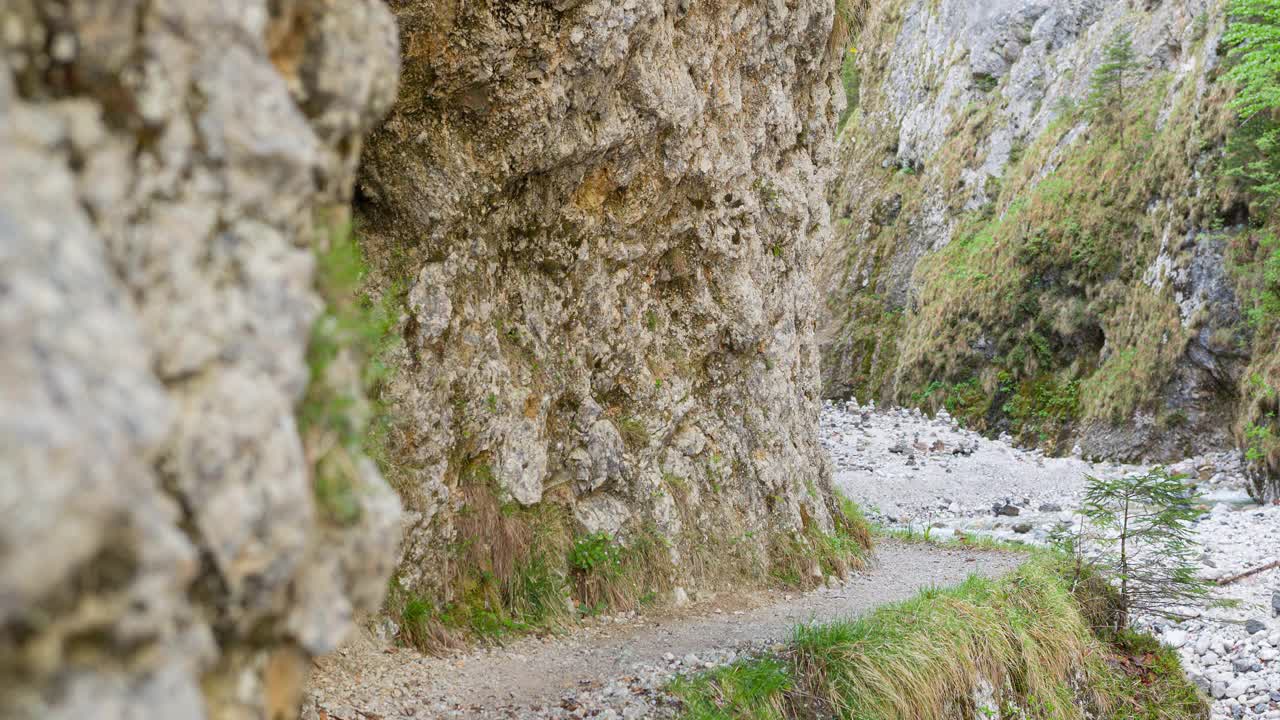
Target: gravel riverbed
(911, 471)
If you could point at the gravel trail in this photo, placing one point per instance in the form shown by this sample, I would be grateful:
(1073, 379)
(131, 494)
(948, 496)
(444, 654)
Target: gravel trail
(614, 668)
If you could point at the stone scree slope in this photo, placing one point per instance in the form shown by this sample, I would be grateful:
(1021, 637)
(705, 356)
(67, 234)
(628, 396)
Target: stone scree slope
(161, 552)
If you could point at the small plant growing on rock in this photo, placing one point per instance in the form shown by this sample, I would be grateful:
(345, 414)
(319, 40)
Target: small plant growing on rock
(1141, 526)
(1113, 83)
(338, 420)
(596, 563)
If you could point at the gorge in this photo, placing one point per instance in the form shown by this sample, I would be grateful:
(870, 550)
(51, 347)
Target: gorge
(521, 358)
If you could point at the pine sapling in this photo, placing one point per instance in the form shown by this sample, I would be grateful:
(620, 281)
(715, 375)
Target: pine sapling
(1143, 527)
(1113, 83)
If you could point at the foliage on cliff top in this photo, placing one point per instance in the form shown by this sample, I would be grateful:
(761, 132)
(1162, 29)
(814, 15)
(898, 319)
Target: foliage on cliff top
(1028, 640)
(1253, 37)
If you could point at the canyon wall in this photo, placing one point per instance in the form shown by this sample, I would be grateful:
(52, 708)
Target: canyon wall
(1069, 266)
(601, 220)
(167, 169)
(582, 351)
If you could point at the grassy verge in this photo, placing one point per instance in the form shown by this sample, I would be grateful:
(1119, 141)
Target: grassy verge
(1027, 645)
(523, 570)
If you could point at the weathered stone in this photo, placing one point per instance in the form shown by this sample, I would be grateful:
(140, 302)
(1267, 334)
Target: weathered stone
(161, 551)
(607, 216)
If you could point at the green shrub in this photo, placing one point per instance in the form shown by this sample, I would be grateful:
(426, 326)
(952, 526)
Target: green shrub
(1144, 527)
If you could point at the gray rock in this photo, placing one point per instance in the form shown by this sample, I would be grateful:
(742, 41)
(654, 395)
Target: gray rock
(1275, 603)
(1202, 644)
(1022, 528)
(157, 215)
(1253, 626)
(1238, 687)
(1011, 68)
(609, 220)
(1006, 510)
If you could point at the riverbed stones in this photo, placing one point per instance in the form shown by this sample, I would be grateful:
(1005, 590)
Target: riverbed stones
(1235, 536)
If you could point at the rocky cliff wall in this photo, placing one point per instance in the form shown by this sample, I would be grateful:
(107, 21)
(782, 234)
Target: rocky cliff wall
(1038, 266)
(602, 220)
(163, 551)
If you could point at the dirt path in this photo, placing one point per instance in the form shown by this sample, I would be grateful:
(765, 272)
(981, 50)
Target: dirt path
(614, 669)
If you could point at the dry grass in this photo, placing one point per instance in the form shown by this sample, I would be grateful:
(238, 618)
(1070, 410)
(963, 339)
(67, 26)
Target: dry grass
(1027, 639)
(516, 570)
(924, 659)
(851, 17)
(506, 573)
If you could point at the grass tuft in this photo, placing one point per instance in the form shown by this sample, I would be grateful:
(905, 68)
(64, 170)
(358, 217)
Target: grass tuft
(1017, 646)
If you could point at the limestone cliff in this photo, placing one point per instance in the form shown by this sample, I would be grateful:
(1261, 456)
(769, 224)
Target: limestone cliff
(602, 218)
(163, 553)
(1036, 265)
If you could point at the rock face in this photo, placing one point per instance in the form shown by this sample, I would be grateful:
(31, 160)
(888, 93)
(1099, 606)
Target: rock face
(603, 217)
(161, 551)
(1034, 265)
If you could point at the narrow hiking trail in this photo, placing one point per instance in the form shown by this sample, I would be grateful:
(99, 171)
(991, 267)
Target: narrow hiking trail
(615, 667)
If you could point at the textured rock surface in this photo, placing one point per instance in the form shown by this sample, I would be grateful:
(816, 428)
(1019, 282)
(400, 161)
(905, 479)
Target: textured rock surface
(161, 552)
(996, 253)
(605, 216)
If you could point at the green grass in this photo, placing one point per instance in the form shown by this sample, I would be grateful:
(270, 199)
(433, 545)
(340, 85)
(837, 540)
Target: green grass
(337, 418)
(1011, 318)
(518, 570)
(802, 559)
(1028, 635)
